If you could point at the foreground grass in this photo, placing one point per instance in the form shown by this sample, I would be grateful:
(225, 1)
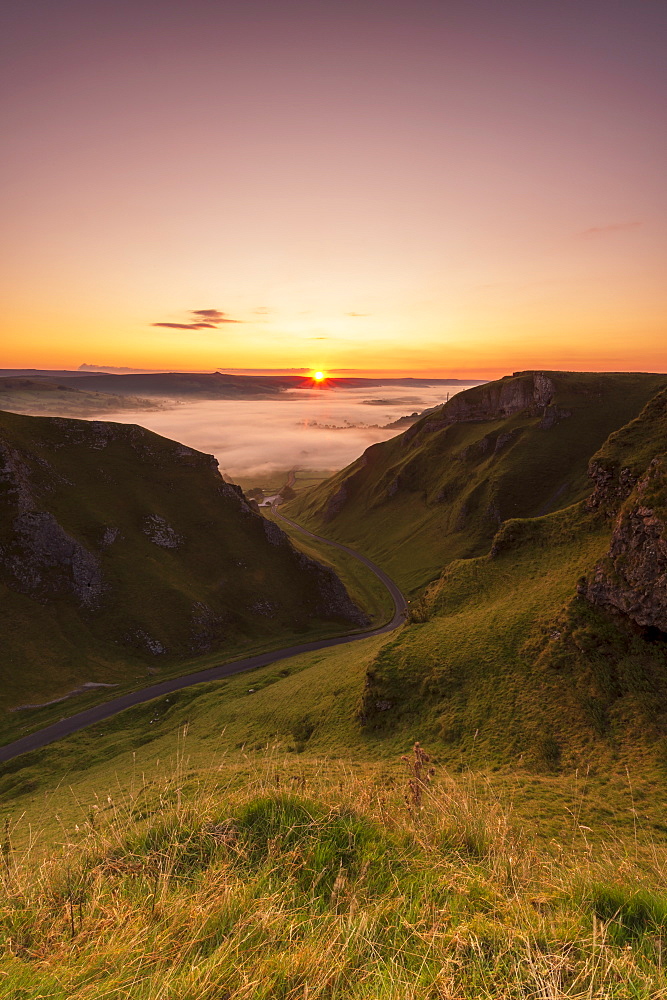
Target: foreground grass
(283, 877)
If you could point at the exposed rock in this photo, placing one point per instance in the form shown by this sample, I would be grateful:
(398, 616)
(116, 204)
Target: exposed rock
(530, 391)
(150, 644)
(493, 511)
(611, 487)
(552, 416)
(274, 534)
(336, 503)
(109, 537)
(503, 439)
(161, 533)
(45, 562)
(208, 628)
(15, 477)
(633, 576)
(266, 609)
(332, 599)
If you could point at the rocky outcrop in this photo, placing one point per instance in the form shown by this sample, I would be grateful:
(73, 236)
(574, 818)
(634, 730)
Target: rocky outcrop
(530, 392)
(611, 486)
(336, 502)
(161, 533)
(45, 562)
(632, 578)
(15, 477)
(332, 600)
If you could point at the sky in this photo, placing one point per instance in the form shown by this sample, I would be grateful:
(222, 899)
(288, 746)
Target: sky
(461, 188)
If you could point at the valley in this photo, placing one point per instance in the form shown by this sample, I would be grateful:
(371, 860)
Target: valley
(525, 519)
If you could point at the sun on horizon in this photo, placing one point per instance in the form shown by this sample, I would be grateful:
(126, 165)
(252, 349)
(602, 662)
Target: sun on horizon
(319, 376)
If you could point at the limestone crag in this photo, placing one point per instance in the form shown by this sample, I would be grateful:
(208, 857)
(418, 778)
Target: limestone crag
(332, 597)
(45, 562)
(531, 392)
(632, 578)
(611, 487)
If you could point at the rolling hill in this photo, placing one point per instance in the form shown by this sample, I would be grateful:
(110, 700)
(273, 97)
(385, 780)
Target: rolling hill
(178, 385)
(51, 397)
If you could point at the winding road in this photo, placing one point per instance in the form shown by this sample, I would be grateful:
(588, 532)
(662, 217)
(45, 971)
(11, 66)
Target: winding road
(57, 731)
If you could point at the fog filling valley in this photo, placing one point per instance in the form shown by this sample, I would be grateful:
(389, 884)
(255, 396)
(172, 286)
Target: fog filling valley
(322, 429)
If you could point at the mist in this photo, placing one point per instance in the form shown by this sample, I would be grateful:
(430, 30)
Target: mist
(258, 437)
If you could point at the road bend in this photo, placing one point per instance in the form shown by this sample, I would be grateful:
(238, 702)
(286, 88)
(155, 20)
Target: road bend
(72, 724)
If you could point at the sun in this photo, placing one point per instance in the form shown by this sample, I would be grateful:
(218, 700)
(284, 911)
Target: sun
(319, 376)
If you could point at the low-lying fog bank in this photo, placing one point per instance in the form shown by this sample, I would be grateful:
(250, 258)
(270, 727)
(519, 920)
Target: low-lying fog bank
(316, 429)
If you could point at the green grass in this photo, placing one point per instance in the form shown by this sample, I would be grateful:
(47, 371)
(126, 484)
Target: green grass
(273, 835)
(288, 877)
(225, 589)
(361, 584)
(439, 491)
(271, 482)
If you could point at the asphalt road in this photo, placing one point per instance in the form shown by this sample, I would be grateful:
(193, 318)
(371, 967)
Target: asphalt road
(100, 712)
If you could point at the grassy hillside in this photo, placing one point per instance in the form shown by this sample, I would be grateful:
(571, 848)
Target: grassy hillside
(518, 447)
(256, 880)
(124, 554)
(275, 835)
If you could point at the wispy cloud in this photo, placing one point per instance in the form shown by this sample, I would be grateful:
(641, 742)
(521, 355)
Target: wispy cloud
(357, 314)
(615, 227)
(203, 319)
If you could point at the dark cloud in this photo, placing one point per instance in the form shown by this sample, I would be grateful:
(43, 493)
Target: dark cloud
(186, 326)
(616, 227)
(204, 319)
(212, 316)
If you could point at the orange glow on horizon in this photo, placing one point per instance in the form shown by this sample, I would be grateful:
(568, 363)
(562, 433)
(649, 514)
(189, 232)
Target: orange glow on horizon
(480, 192)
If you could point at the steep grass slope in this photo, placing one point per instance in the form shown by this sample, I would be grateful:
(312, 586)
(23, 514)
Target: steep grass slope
(518, 447)
(272, 881)
(123, 553)
(553, 647)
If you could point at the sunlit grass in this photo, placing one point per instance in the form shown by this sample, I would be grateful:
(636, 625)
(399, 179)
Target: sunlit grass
(287, 877)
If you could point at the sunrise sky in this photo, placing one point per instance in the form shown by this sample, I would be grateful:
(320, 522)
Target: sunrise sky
(462, 187)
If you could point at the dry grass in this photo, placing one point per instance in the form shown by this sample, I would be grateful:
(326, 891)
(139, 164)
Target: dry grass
(304, 880)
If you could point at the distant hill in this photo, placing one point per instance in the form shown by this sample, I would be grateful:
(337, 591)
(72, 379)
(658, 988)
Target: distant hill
(122, 551)
(217, 385)
(517, 447)
(52, 397)
(179, 385)
(39, 373)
